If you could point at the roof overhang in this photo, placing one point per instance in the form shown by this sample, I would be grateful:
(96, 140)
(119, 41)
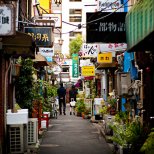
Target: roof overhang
(41, 61)
(20, 44)
(106, 65)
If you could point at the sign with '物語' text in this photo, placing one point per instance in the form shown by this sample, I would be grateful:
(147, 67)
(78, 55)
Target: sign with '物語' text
(110, 28)
(75, 65)
(7, 19)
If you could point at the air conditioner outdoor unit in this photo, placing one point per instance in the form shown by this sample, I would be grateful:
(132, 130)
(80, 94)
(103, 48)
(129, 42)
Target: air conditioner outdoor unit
(17, 138)
(123, 83)
(32, 130)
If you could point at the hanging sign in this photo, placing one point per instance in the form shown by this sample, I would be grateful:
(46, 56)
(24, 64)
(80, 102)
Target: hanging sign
(104, 57)
(7, 19)
(88, 70)
(89, 50)
(42, 35)
(46, 52)
(75, 65)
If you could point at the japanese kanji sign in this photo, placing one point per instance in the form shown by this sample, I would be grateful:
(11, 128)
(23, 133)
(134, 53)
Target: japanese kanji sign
(88, 70)
(104, 57)
(89, 50)
(7, 19)
(75, 66)
(109, 29)
(42, 35)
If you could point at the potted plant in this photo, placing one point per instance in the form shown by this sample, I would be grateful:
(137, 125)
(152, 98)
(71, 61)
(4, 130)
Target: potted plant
(128, 136)
(148, 146)
(80, 107)
(112, 102)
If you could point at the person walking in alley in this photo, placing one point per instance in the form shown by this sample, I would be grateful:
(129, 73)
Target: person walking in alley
(72, 99)
(61, 91)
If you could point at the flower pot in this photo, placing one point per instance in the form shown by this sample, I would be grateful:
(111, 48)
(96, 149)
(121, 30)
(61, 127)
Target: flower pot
(16, 69)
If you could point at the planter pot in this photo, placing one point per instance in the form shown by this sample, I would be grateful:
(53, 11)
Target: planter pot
(149, 152)
(78, 114)
(83, 115)
(16, 70)
(98, 117)
(124, 150)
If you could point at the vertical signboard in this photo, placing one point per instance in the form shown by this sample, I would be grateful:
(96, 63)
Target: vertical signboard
(75, 66)
(7, 19)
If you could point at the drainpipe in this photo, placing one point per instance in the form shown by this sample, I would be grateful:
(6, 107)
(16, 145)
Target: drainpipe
(141, 90)
(5, 83)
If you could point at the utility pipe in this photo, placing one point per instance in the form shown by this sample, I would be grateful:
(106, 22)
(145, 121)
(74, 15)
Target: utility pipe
(5, 83)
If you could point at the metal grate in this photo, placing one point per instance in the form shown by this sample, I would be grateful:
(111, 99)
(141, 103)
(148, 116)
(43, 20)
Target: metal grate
(16, 138)
(32, 130)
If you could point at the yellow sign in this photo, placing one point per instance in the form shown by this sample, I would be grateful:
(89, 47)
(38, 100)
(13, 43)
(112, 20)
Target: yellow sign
(88, 70)
(46, 5)
(104, 57)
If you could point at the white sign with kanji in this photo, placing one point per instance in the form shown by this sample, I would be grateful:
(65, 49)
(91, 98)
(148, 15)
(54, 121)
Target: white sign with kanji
(89, 50)
(7, 19)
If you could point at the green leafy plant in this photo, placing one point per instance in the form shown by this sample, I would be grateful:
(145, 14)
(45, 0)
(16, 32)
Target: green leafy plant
(103, 110)
(128, 134)
(121, 117)
(24, 84)
(80, 106)
(148, 145)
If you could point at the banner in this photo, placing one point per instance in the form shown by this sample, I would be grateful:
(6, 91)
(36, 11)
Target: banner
(75, 66)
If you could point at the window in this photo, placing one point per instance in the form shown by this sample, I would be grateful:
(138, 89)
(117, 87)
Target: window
(75, 11)
(74, 34)
(75, 15)
(75, 19)
(65, 69)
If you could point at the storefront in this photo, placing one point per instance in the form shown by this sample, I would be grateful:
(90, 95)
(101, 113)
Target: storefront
(140, 38)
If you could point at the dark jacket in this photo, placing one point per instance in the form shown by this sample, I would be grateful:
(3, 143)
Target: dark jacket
(61, 92)
(72, 94)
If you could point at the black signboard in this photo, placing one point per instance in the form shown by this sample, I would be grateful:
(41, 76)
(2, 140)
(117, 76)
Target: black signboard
(42, 35)
(106, 27)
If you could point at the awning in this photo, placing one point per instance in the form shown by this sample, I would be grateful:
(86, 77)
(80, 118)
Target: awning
(106, 65)
(140, 26)
(20, 44)
(41, 61)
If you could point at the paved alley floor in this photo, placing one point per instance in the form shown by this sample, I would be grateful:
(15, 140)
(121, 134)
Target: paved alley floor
(69, 134)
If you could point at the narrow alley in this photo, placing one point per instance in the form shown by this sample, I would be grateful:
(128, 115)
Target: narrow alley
(71, 134)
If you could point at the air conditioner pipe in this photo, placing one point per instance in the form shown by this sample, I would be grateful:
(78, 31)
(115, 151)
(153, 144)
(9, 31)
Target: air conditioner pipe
(141, 89)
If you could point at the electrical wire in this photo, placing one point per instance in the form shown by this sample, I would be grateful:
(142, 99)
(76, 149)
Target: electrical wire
(106, 15)
(82, 26)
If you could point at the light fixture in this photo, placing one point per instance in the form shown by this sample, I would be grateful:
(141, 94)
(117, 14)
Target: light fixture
(60, 41)
(58, 2)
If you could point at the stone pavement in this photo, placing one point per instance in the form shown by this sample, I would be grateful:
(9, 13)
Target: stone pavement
(69, 134)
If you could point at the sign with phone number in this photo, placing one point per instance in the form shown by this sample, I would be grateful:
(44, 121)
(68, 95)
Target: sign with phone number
(88, 70)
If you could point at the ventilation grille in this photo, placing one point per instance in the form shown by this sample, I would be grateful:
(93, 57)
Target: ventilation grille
(32, 130)
(16, 138)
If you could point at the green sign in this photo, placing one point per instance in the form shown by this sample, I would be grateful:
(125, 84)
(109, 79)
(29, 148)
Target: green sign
(139, 22)
(75, 66)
